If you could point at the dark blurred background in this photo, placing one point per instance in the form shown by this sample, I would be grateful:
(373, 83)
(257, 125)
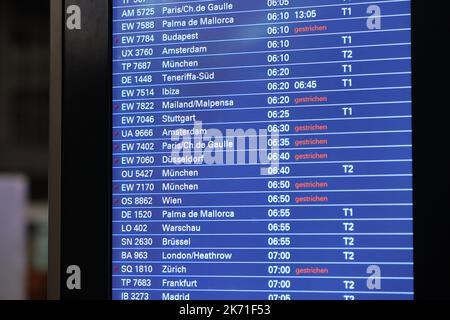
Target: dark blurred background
(24, 107)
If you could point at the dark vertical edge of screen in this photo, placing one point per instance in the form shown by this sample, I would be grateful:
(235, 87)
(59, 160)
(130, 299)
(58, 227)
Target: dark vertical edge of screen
(110, 156)
(415, 42)
(86, 152)
(55, 149)
(431, 234)
(414, 115)
(413, 107)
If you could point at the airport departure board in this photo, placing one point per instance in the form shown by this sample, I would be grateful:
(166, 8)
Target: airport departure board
(262, 150)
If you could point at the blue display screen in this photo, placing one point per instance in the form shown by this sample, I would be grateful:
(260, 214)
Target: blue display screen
(262, 150)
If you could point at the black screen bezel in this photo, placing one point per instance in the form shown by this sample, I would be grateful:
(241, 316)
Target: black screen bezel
(85, 153)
